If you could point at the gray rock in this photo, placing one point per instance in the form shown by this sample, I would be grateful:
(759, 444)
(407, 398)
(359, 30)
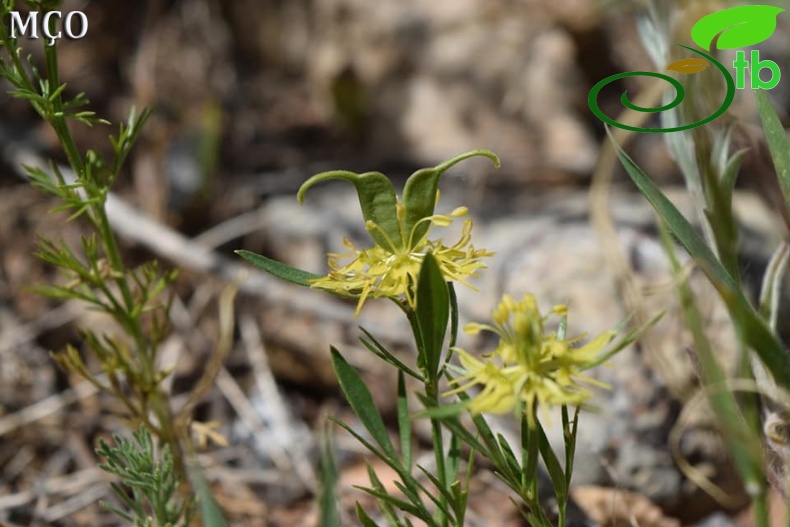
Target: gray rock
(437, 78)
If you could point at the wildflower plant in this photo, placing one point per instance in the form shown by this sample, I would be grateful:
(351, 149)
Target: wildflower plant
(136, 299)
(530, 369)
(149, 477)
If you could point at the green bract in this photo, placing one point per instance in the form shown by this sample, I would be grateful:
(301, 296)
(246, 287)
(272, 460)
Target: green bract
(380, 205)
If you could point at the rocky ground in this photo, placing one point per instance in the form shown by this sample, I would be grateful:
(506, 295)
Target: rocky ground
(254, 97)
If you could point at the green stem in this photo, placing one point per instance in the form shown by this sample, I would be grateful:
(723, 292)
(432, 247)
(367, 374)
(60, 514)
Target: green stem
(57, 120)
(761, 510)
(432, 394)
(431, 390)
(151, 399)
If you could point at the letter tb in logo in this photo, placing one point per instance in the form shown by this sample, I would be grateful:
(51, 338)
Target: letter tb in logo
(755, 66)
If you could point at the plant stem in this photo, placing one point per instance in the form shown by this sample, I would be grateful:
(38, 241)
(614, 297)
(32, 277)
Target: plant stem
(761, 510)
(432, 391)
(431, 385)
(151, 399)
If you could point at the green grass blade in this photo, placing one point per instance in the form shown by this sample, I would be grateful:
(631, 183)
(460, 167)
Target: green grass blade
(771, 291)
(740, 439)
(210, 512)
(678, 225)
(752, 329)
(328, 512)
(778, 143)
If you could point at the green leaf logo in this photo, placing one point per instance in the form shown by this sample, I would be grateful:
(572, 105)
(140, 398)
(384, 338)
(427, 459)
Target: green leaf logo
(738, 26)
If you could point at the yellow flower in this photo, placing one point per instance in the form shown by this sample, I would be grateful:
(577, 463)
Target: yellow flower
(497, 396)
(391, 271)
(528, 368)
(399, 227)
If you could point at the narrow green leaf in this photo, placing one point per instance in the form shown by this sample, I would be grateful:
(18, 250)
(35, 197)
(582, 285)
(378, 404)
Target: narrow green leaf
(509, 455)
(754, 331)
(433, 312)
(210, 512)
(741, 440)
(454, 425)
(448, 496)
(414, 486)
(453, 317)
(463, 490)
(453, 458)
(778, 143)
(361, 402)
(386, 507)
(375, 347)
(442, 412)
(678, 225)
(771, 291)
(411, 491)
(419, 193)
(364, 519)
(279, 269)
(491, 449)
(398, 503)
(393, 463)
(115, 510)
(329, 515)
(626, 341)
(553, 466)
(569, 428)
(730, 175)
(529, 454)
(404, 422)
(376, 198)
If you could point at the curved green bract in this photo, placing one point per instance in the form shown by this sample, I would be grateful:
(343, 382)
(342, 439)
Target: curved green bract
(419, 193)
(380, 203)
(376, 198)
(592, 99)
(737, 27)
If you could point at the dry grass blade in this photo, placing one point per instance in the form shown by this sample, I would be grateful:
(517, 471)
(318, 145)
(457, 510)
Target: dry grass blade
(49, 406)
(281, 417)
(601, 218)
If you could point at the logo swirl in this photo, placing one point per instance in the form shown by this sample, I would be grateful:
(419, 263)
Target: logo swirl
(680, 94)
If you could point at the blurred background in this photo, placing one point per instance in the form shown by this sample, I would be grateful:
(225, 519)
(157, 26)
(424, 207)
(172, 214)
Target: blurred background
(251, 98)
